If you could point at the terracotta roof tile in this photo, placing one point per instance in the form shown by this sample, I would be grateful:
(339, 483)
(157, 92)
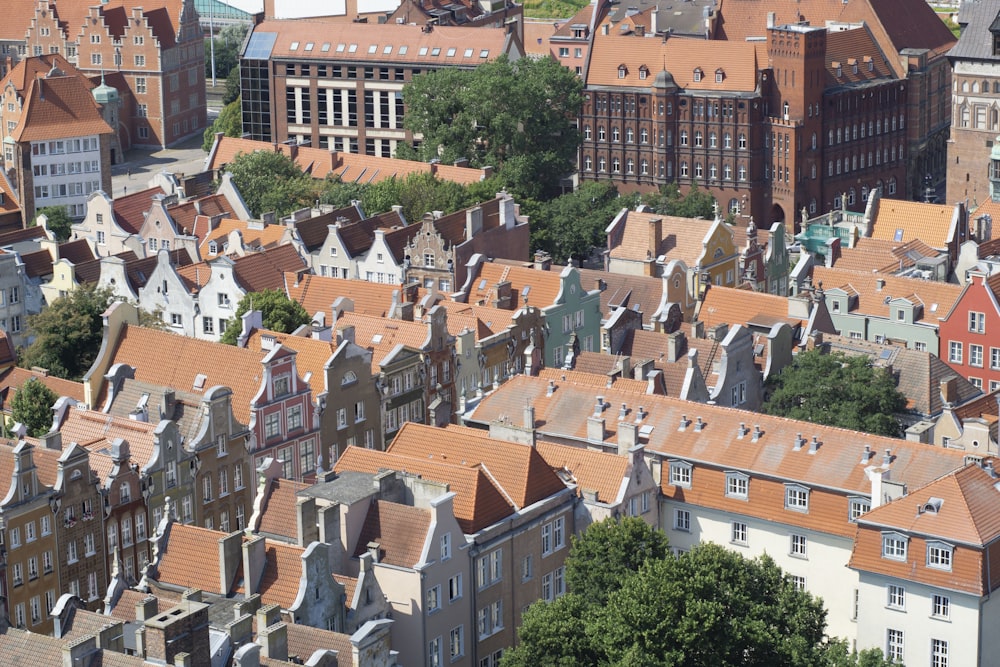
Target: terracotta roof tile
(399, 530)
(254, 237)
(883, 256)
(728, 305)
(58, 108)
(317, 294)
(311, 354)
(680, 55)
(304, 641)
(96, 431)
(130, 209)
(190, 558)
(381, 335)
(937, 297)
(590, 470)
(642, 292)
(681, 238)
(853, 57)
(124, 609)
(543, 286)
(593, 375)
(314, 231)
(265, 270)
(12, 379)
(280, 516)
(900, 221)
(154, 355)
(279, 583)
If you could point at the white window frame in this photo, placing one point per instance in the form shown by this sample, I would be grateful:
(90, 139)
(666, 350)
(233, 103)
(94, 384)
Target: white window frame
(796, 498)
(895, 546)
(680, 474)
(737, 485)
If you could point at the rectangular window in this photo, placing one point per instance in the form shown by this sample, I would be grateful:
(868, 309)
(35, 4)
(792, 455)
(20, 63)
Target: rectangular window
(294, 417)
(976, 355)
(680, 474)
(939, 653)
(434, 652)
(858, 507)
(977, 322)
(682, 520)
(737, 485)
(527, 568)
(798, 582)
(955, 352)
(939, 556)
(446, 546)
(547, 539)
(272, 425)
(433, 599)
(455, 587)
(893, 546)
(895, 597)
(15, 538)
(29, 531)
(894, 644)
(941, 606)
(457, 642)
(359, 411)
(798, 546)
(489, 569)
(739, 533)
(796, 498)
(547, 587)
(208, 326)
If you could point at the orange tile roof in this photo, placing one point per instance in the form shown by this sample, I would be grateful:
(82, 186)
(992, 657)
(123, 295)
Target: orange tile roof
(279, 583)
(10, 198)
(937, 297)
(124, 609)
(364, 42)
(58, 108)
(311, 354)
(521, 473)
(280, 516)
(728, 305)
(900, 221)
(681, 238)
(266, 270)
(14, 29)
(267, 237)
(399, 530)
(190, 558)
(381, 335)
(544, 285)
(479, 502)
(883, 256)
(154, 355)
(130, 209)
(835, 465)
(317, 294)
(537, 33)
(304, 641)
(849, 53)
(96, 431)
(590, 470)
(681, 56)
(592, 379)
(14, 377)
(33, 67)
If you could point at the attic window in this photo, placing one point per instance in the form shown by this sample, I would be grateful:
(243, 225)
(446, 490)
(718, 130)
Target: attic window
(349, 378)
(871, 65)
(199, 381)
(622, 71)
(325, 48)
(697, 74)
(524, 292)
(386, 50)
(403, 49)
(898, 236)
(482, 284)
(423, 50)
(373, 48)
(643, 72)
(485, 53)
(309, 46)
(468, 53)
(932, 506)
(340, 48)
(376, 339)
(451, 52)
(353, 48)
(719, 75)
(294, 46)
(436, 51)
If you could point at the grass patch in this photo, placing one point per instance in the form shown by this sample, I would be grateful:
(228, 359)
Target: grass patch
(552, 9)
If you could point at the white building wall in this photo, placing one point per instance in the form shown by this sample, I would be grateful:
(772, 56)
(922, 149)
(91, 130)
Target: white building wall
(66, 172)
(919, 625)
(824, 566)
(378, 265)
(218, 299)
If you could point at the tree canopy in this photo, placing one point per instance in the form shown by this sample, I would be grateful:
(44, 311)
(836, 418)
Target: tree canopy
(837, 390)
(271, 181)
(229, 122)
(516, 116)
(67, 335)
(57, 221)
(697, 203)
(709, 607)
(572, 225)
(32, 406)
(227, 50)
(278, 313)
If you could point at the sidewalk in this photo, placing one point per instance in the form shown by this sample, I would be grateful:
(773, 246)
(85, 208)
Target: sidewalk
(141, 165)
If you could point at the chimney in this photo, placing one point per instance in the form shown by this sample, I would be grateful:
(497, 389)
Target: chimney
(551, 388)
(254, 550)
(146, 609)
(799, 442)
(52, 440)
(949, 390)
(305, 515)
(699, 425)
(742, 431)
(640, 415)
(273, 641)
(640, 31)
(529, 416)
(229, 561)
(887, 458)
(599, 406)
(655, 234)
(595, 429)
(685, 422)
(76, 652)
(329, 533)
(757, 433)
(867, 455)
(543, 260)
(814, 445)
(623, 413)
(676, 345)
(628, 437)
(267, 616)
(988, 467)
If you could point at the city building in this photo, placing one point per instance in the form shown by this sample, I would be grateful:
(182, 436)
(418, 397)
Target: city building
(966, 332)
(339, 85)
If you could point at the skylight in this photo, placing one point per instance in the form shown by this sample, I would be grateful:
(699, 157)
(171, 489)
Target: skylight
(294, 46)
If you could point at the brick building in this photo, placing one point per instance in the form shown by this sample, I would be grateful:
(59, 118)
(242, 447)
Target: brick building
(155, 48)
(339, 86)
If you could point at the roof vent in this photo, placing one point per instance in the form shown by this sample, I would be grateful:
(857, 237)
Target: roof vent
(623, 413)
(887, 458)
(641, 415)
(867, 455)
(552, 388)
(599, 406)
(757, 433)
(799, 441)
(742, 431)
(199, 381)
(685, 422)
(814, 445)
(699, 425)
(988, 467)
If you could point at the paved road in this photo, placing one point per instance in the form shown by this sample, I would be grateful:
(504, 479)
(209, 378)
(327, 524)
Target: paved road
(140, 165)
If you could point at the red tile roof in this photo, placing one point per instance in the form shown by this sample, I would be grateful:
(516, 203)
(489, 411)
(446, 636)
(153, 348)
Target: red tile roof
(190, 558)
(58, 108)
(130, 209)
(317, 294)
(280, 516)
(590, 470)
(12, 380)
(399, 530)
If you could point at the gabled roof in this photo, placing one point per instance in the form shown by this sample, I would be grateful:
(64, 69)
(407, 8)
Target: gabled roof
(163, 16)
(13, 378)
(635, 292)
(185, 214)
(479, 502)
(33, 67)
(280, 581)
(681, 56)
(310, 358)
(254, 236)
(57, 108)
(190, 558)
(21, 648)
(589, 470)
(280, 516)
(317, 294)
(154, 355)
(642, 345)
(399, 530)
(853, 57)
(883, 256)
(976, 40)
(265, 270)
(357, 238)
(900, 221)
(592, 379)
(542, 286)
(382, 335)
(937, 297)
(130, 209)
(728, 305)
(314, 231)
(96, 431)
(680, 238)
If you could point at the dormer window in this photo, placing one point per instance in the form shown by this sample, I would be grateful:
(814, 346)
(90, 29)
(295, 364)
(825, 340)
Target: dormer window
(622, 71)
(697, 74)
(719, 75)
(643, 72)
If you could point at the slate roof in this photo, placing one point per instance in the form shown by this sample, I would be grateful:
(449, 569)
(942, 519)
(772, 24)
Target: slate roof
(314, 231)
(976, 40)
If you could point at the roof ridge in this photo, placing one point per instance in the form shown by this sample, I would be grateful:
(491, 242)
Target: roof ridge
(496, 483)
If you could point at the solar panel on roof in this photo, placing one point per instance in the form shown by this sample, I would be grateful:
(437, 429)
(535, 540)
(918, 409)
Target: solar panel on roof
(260, 45)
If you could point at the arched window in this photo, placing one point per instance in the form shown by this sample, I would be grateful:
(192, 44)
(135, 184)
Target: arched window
(684, 138)
(713, 140)
(601, 134)
(588, 163)
(629, 135)
(699, 139)
(586, 132)
(615, 134)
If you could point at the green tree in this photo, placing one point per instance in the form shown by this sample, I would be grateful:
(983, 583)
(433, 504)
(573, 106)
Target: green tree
(417, 193)
(278, 312)
(515, 116)
(271, 181)
(57, 220)
(67, 335)
(555, 635)
(232, 86)
(337, 193)
(572, 225)
(697, 203)
(603, 556)
(837, 390)
(229, 122)
(227, 50)
(32, 406)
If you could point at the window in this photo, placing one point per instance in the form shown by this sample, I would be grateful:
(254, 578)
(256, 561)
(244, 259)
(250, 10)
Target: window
(939, 653)
(206, 489)
(112, 537)
(895, 597)
(294, 417)
(798, 582)
(457, 642)
(29, 532)
(939, 555)
(46, 525)
(547, 587)
(433, 599)
(894, 644)
(941, 606)
(975, 355)
(858, 507)
(272, 425)
(977, 322)
(89, 544)
(995, 358)
(489, 569)
(680, 473)
(955, 352)
(359, 411)
(446, 546)
(455, 587)
(527, 569)
(546, 539)
(739, 533)
(737, 485)
(682, 520)
(224, 480)
(894, 546)
(32, 568)
(434, 652)
(798, 546)
(15, 538)
(140, 527)
(796, 498)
